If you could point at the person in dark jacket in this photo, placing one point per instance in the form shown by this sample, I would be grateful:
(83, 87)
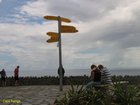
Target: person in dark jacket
(3, 77)
(63, 72)
(95, 77)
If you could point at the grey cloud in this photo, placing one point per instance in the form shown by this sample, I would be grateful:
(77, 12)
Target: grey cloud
(75, 10)
(129, 41)
(36, 39)
(125, 35)
(83, 10)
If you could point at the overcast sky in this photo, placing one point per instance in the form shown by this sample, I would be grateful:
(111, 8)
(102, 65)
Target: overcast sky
(109, 34)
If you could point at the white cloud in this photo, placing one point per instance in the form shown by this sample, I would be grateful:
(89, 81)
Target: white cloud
(108, 34)
(27, 44)
(35, 8)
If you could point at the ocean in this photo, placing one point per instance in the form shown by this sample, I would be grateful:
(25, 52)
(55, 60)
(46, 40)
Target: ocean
(73, 72)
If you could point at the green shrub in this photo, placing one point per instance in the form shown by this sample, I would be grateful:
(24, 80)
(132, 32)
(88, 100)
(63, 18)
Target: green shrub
(126, 94)
(119, 94)
(80, 96)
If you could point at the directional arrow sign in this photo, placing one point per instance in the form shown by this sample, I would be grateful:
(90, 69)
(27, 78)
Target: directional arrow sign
(68, 29)
(52, 34)
(54, 37)
(64, 27)
(56, 18)
(52, 40)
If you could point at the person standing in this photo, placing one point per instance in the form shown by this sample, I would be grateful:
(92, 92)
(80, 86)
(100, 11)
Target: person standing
(3, 77)
(95, 77)
(63, 72)
(16, 76)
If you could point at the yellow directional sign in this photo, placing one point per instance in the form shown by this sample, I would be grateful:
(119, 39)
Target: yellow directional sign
(52, 33)
(51, 40)
(54, 37)
(68, 29)
(56, 18)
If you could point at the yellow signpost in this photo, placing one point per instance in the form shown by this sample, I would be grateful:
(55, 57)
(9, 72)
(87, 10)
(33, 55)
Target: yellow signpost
(68, 29)
(52, 33)
(52, 40)
(55, 37)
(56, 18)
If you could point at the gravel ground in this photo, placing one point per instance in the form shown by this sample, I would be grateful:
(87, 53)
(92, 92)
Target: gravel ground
(30, 95)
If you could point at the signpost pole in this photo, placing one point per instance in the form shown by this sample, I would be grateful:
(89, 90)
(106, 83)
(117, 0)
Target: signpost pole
(57, 37)
(60, 53)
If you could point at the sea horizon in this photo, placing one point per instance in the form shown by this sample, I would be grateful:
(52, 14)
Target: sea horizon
(73, 72)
